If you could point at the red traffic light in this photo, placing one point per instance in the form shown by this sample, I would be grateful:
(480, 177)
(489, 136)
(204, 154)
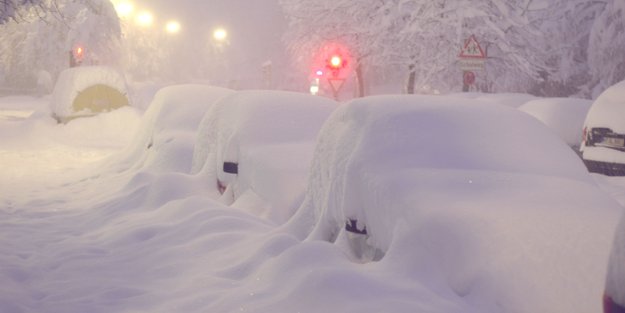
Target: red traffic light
(78, 52)
(336, 62)
(76, 56)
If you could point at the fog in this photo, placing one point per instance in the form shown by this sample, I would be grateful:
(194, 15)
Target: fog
(255, 30)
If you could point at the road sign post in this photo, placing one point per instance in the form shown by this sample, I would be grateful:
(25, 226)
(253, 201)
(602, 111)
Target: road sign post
(470, 59)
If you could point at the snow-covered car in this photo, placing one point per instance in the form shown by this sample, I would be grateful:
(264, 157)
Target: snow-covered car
(480, 200)
(614, 296)
(167, 132)
(256, 147)
(565, 116)
(603, 144)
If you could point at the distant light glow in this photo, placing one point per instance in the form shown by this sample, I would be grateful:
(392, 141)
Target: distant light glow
(319, 73)
(172, 27)
(336, 61)
(314, 90)
(145, 19)
(220, 34)
(124, 9)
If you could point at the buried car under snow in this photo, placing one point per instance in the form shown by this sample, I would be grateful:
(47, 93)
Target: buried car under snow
(480, 200)
(603, 145)
(256, 147)
(166, 135)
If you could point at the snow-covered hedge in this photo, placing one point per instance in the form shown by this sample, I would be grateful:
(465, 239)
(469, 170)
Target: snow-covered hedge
(494, 205)
(74, 80)
(271, 136)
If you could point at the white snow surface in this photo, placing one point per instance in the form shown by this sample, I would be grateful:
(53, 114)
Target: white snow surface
(74, 80)
(565, 116)
(89, 223)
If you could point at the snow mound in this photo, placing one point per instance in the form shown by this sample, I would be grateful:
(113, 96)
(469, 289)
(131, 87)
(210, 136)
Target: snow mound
(484, 195)
(166, 135)
(270, 135)
(74, 80)
(565, 116)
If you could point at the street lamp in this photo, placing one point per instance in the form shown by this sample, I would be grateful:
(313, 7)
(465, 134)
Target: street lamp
(172, 27)
(220, 34)
(124, 9)
(145, 19)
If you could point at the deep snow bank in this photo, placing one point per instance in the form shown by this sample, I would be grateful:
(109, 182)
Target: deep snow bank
(498, 206)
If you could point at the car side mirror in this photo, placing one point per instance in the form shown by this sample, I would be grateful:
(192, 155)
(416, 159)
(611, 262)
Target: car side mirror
(231, 167)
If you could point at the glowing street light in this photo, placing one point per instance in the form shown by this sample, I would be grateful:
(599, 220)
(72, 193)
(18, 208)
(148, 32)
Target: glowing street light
(172, 27)
(145, 19)
(124, 9)
(220, 34)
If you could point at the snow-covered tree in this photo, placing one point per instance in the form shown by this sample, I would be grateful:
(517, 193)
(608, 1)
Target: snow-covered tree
(425, 36)
(606, 49)
(566, 27)
(313, 24)
(10, 9)
(40, 40)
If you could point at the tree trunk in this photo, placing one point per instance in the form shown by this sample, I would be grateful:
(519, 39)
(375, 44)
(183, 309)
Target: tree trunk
(361, 82)
(412, 75)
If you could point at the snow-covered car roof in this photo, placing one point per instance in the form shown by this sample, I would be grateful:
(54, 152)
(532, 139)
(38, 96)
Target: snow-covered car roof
(565, 116)
(484, 193)
(608, 110)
